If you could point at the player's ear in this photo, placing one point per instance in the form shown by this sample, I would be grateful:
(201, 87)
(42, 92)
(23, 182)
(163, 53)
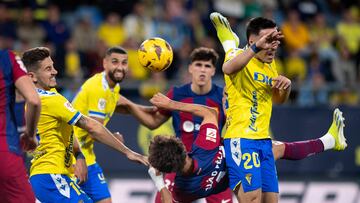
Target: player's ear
(190, 68)
(32, 76)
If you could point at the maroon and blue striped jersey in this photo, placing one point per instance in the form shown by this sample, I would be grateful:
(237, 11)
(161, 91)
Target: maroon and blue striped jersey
(209, 173)
(186, 125)
(11, 69)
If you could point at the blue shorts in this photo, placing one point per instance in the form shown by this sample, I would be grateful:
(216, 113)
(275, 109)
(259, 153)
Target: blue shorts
(49, 188)
(251, 163)
(96, 186)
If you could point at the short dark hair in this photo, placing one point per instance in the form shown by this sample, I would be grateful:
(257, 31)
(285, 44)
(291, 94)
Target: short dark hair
(33, 56)
(255, 25)
(116, 49)
(204, 54)
(167, 154)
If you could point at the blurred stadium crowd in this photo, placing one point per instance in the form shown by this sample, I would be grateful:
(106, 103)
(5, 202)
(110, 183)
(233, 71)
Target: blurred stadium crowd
(320, 52)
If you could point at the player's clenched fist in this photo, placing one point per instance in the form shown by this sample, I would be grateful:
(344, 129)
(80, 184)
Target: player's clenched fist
(281, 83)
(160, 100)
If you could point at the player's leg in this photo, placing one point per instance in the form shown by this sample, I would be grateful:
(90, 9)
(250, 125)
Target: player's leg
(223, 197)
(169, 183)
(229, 40)
(242, 162)
(333, 139)
(14, 183)
(57, 188)
(96, 186)
(270, 186)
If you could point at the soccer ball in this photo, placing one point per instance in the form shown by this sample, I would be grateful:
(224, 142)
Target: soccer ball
(155, 54)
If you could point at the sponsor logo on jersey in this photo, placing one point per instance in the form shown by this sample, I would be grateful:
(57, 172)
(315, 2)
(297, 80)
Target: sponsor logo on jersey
(211, 134)
(188, 126)
(69, 106)
(260, 77)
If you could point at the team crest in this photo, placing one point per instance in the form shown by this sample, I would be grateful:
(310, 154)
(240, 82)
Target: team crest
(101, 104)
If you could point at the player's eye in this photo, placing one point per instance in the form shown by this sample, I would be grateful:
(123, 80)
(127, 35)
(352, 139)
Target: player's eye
(114, 62)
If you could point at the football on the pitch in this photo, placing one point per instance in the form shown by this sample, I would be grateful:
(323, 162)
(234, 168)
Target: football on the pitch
(155, 54)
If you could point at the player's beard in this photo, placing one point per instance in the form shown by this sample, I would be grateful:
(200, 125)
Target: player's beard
(114, 79)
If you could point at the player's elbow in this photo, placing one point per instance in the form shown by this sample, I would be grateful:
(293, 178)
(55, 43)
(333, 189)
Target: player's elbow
(226, 69)
(94, 128)
(210, 113)
(34, 101)
(230, 68)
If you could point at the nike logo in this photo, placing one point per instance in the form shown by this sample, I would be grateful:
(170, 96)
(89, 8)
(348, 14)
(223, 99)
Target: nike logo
(225, 200)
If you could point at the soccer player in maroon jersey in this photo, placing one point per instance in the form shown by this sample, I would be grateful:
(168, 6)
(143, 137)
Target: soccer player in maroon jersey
(14, 183)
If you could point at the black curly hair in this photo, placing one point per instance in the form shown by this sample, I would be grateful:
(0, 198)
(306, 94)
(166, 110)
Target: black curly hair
(204, 54)
(167, 154)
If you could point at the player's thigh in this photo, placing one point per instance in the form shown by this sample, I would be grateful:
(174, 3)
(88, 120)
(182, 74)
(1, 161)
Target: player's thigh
(169, 179)
(242, 161)
(247, 197)
(269, 197)
(223, 197)
(57, 188)
(268, 169)
(96, 186)
(14, 183)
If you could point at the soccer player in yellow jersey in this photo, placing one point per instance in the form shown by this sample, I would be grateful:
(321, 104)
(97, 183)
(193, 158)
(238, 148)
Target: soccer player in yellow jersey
(252, 84)
(52, 163)
(98, 98)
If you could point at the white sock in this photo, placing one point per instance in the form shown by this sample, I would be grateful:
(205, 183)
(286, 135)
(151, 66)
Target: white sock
(328, 141)
(229, 44)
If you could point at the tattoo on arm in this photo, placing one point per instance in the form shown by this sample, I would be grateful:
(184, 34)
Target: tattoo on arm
(81, 123)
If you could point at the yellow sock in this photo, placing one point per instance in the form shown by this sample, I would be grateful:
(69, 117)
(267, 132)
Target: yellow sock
(229, 40)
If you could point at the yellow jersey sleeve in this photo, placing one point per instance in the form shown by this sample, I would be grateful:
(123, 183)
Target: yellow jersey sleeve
(249, 99)
(55, 133)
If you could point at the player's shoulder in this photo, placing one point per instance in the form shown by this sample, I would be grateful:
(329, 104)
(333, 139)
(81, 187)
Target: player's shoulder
(181, 91)
(218, 89)
(94, 81)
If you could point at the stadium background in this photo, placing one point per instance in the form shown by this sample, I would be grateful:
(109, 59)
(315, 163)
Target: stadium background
(320, 53)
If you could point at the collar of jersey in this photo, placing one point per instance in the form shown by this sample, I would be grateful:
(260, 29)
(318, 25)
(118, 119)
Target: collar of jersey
(105, 83)
(44, 92)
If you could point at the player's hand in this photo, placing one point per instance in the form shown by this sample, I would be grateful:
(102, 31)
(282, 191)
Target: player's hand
(281, 83)
(133, 156)
(270, 40)
(81, 171)
(160, 100)
(157, 178)
(27, 142)
(154, 173)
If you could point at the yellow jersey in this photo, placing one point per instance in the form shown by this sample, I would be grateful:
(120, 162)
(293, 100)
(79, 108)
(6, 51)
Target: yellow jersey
(55, 133)
(249, 95)
(95, 99)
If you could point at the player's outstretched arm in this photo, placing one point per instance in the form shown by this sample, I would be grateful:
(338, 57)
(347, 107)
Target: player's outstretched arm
(268, 41)
(103, 135)
(208, 114)
(148, 116)
(32, 114)
(157, 178)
